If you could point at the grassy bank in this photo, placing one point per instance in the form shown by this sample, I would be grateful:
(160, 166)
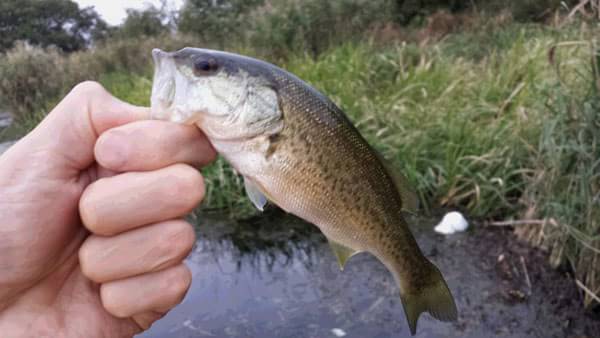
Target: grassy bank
(501, 122)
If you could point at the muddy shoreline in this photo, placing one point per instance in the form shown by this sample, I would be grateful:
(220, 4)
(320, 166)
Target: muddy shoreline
(526, 297)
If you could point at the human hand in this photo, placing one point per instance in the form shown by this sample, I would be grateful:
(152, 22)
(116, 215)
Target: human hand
(91, 240)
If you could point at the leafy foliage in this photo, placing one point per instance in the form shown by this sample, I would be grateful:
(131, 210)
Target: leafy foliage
(25, 68)
(52, 22)
(150, 21)
(217, 21)
(312, 26)
(406, 11)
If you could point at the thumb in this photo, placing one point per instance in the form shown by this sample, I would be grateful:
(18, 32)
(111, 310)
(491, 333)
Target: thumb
(68, 134)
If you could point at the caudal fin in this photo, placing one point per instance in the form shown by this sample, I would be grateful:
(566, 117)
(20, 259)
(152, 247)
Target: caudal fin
(432, 295)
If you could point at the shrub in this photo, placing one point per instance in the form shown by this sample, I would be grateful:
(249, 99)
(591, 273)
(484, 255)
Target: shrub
(313, 26)
(32, 79)
(217, 22)
(29, 78)
(525, 10)
(150, 21)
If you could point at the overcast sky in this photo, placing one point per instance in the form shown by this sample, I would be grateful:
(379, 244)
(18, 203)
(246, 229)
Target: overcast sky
(113, 11)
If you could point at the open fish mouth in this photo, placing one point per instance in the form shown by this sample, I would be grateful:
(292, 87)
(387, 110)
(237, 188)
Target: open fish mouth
(176, 95)
(163, 88)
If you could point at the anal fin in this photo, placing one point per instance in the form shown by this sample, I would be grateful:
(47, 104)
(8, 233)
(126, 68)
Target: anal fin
(342, 252)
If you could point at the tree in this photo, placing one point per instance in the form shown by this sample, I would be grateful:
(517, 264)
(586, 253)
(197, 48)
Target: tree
(150, 21)
(50, 22)
(407, 10)
(215, 20)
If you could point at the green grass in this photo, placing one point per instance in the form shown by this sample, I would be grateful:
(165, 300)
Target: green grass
(565, 186)
(131, 88)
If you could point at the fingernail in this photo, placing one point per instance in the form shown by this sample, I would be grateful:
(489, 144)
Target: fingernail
(113, 150)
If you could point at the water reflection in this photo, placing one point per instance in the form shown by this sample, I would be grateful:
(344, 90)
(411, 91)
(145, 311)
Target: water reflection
(274, 276)
(261, 243)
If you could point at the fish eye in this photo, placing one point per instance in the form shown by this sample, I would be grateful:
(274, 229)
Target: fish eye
(205, 66)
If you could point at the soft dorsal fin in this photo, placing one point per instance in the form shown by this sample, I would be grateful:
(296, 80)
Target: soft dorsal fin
(342, 252)
(410, 200)
(256, 196)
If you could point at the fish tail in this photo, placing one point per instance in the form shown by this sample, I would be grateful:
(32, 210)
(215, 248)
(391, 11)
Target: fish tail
(430, 295)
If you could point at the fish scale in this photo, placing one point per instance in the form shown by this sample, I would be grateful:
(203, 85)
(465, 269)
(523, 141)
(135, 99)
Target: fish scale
(297, 149)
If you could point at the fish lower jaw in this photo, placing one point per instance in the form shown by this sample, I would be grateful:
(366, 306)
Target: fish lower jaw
(171, 113)
(160, 111)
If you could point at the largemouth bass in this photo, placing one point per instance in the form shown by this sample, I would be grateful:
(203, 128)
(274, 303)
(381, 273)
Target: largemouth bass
(297, 149)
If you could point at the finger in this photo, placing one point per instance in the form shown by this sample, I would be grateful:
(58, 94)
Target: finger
(149, 145)
(135, 252)
(156, 291)
(146, 319)
(70, 130)
(116, 204)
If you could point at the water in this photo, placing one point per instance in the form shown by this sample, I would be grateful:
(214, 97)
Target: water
(5, 119)
(275, 276)
(5, 145)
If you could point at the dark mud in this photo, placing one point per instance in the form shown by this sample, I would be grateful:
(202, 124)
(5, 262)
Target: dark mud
(275, 276)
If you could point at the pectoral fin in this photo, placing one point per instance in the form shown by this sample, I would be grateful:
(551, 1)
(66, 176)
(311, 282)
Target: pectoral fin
(256, 196)
(342, 252)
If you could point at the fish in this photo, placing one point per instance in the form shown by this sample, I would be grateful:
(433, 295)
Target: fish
(296, 149)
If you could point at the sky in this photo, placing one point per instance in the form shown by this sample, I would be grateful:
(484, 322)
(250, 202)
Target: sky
(113, 11)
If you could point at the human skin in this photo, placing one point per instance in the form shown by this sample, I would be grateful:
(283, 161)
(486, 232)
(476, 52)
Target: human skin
(91, 235)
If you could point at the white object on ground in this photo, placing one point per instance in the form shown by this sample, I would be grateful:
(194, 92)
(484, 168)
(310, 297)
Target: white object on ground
(338, 332)
(451, 223)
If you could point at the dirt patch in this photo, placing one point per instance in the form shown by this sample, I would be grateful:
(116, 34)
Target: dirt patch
(526, 290)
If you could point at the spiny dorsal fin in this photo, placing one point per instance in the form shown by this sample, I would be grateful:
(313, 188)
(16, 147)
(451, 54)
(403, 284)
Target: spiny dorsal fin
(256, 196)
(342, 252)
(410, 200)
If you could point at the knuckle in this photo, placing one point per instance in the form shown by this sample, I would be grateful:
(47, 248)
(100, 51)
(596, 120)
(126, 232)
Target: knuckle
(186, 186)
(108, 154)
(210, 155)
(86, 258)
(178, 239)
(87, 211)
(88, 87)
(110, 301)
(91, 211)
(179, 281)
